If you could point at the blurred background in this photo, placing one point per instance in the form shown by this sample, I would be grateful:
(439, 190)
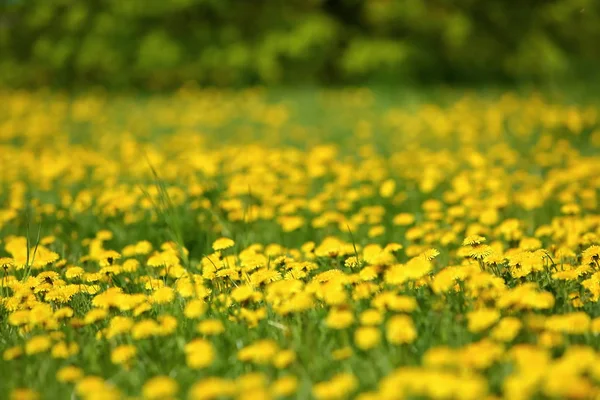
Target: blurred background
(157, 44)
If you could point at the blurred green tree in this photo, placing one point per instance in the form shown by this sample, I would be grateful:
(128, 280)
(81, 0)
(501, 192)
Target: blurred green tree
(161, 44)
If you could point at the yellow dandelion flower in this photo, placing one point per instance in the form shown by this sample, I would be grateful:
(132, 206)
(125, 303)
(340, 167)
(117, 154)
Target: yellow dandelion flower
(199, 353)
(572, 323)
(342, 354)
(591, 256)
(160, 387)
(243, 293)
(222, 244)
(338, 387)
(24, 394)
(284, 386)
(163, 295)
(284, 358)
(387, 188)
(195, 309)
(95, 315)
(38, 344)
(69, 374)
(145, 329)
(507, 329)
(119, 325)
(339, 318)
(392, 247)
(400, 329)
(352, 262)
(211, 388)
(64, 350)
(376, 231)
(403, 219)
(123, 354)
(211, 327)
(473, 240)
(367, 337)
(259, 352)
(12, 352)
(168, 324)
(371, 317)
(482, 319)
(91, 384)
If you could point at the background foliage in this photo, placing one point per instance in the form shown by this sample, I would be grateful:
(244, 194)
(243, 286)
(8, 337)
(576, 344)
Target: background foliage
(159, 44)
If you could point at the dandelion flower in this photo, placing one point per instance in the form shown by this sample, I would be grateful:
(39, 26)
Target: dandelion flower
(123, 354)
(160, 387)
(222, 244)
(69, 373)
(367, 337)
(400, 329)
(211, 327)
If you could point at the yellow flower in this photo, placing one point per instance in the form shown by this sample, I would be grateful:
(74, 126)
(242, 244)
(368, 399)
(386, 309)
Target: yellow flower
(211, 327)
(74, 272)
(290, 223)
(352, 262)
(163, 295)
(339, 318)
(341, 354)
(250, 382)
(259, 352)
(12, 352)
(550, 339)
(159, 388)
(243, 293)
(376, 231)
(69, 373)
(284, 386)
(473, 240)
(119, 325)
(95, 386)
(6, 262)
(507, 329)
(141, 308)
(123, 354)
(64, 312)
(371, 317)
(284, 358)
(145, 329)
(367, 337)
(199, 353)
(104, 235)
(24, 394)
(403, 219)
(168, 324)
(591, 256)
(387, 188)
(95, 315)
(37, 344)
(211, 388)
(64, 350)
(392, 247)
(108, 257)
(338, 387)
(482, 319)
(572, 323)
(222, 244)
(400, 329)
(163, 259)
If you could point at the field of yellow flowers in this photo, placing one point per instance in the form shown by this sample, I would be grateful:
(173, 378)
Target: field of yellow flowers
(329, 245)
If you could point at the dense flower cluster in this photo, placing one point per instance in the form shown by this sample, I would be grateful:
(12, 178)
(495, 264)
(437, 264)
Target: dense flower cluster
(215, 245)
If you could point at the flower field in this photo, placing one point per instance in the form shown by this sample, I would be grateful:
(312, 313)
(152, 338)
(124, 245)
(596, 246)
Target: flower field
(332, 244)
